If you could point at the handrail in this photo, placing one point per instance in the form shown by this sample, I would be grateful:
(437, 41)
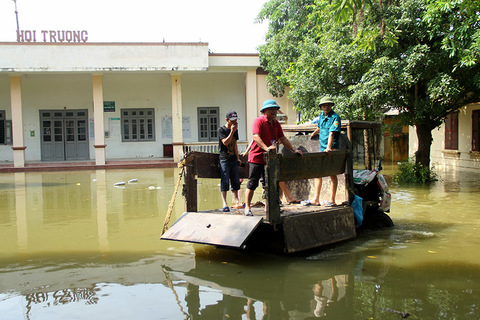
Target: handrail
(211, 147)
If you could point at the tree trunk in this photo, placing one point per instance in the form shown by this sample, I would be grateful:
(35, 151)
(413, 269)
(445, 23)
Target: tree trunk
(366, 143)
(424, 136)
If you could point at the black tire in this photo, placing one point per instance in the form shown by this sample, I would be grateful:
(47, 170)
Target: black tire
(377, 220)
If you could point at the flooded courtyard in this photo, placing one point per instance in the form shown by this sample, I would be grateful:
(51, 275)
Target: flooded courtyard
(85, 245)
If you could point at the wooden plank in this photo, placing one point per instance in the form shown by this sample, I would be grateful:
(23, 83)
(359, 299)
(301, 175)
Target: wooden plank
(305, 188)
(311, 230)
(272, 173)
(190, 187)
(312, 165)
(213, 228)
(207, 165)
(345, 125)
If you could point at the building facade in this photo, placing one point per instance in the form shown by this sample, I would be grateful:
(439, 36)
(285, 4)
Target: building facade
(456, 143)
(107, 101)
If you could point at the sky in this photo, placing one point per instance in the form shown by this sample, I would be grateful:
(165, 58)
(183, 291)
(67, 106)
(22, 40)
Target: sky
(226, 25)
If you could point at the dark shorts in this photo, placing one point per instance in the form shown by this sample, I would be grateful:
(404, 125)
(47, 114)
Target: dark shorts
(229, 175)
(255, 173)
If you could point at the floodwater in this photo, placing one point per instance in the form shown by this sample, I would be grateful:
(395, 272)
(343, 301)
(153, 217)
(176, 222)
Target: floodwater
(76, 246)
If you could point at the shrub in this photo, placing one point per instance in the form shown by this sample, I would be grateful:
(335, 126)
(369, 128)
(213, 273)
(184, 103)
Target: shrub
(410, 172)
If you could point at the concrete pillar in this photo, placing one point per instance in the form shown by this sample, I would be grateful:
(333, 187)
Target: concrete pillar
(250, 101)
(18, 145)
(177, 133)
(99, 127)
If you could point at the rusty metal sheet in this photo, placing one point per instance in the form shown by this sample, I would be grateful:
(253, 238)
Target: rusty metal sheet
(212, 228)
(312, 165)
(315, 229)
(207, 165)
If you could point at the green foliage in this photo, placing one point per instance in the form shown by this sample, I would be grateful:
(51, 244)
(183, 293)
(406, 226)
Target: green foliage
(288, 25)
(421, 57)
(411, 172)
(461, 34)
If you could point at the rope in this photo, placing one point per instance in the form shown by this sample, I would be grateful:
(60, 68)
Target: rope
(170, 285)
(172, 201)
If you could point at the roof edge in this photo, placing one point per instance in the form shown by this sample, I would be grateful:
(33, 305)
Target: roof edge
(202, 44)
(211, 54)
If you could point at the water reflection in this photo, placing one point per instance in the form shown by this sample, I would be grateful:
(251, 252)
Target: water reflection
(71, 211)
(74, 245)
(64, 296)
(329, 292)
(21, 212)
(293, 289)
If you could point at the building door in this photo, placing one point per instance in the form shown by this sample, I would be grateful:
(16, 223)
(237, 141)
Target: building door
(64, 135)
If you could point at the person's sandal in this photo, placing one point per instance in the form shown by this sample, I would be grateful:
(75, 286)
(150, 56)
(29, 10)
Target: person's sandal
(248, 213)
(226, 209)
(329, 204)
(295, 202)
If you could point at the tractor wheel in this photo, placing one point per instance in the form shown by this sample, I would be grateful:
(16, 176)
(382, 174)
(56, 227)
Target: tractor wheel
(377, 220)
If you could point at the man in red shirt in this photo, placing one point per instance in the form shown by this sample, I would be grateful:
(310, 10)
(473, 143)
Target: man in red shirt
(267, 134)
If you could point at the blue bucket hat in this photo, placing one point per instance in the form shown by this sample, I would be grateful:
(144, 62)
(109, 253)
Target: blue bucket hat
(268, 104)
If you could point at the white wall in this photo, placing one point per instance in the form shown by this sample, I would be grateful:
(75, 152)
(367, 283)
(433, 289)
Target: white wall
(286, 105)
(146, 90)
(103, 57)
(223, 90)
(128, 90)
(5, 94)
(56, 91)
(59, 76)
(463, 158)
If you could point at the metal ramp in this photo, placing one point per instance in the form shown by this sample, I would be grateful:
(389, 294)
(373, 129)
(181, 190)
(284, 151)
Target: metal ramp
(213, 228)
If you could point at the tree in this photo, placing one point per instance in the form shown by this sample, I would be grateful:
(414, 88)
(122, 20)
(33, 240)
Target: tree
(416, 56)
(462, 37)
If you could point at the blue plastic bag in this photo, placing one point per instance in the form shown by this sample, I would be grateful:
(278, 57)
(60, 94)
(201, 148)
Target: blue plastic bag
(357, 205)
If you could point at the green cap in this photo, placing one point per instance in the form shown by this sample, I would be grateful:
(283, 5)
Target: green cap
(326, 100)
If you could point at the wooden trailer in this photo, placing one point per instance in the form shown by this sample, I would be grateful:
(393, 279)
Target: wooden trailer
(273, 227)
